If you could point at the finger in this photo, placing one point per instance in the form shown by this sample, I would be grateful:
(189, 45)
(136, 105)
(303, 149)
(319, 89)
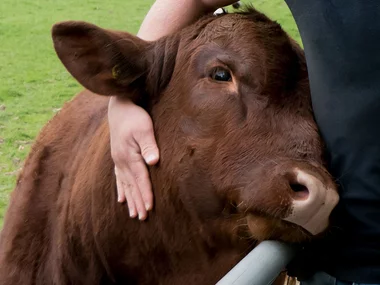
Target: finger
(123, 194)
(146, 192)
(142, 178)
(119, 187)
(148, 146)
(130, 202)
(150, 153)
(120, 191)
(134, 191)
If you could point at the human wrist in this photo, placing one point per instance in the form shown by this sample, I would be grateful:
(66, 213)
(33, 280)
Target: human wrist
(202, 6)
(116, 101)
(207, 7)
(169, 16)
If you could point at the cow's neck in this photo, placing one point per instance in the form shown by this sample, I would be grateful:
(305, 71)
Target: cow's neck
(173, 243)
(167, 244)
(180, 245)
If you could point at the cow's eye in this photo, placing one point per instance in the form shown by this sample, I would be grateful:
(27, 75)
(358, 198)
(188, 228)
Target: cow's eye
(220, 74)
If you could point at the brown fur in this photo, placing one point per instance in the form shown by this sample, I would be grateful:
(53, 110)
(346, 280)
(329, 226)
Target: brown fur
(222, 182)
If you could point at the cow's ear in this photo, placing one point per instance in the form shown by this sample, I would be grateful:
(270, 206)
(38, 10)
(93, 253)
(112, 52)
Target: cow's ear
(105, 62)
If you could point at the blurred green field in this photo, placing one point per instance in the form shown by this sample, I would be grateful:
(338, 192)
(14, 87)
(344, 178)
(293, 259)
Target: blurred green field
(34, 84)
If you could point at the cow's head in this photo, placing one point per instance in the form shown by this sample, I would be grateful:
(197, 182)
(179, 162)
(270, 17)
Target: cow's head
(230, 102)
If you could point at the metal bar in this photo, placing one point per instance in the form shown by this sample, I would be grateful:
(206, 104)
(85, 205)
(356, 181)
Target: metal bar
(261, 266)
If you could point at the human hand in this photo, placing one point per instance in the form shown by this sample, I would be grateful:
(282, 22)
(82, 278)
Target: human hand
(214, 4)
(132, 146)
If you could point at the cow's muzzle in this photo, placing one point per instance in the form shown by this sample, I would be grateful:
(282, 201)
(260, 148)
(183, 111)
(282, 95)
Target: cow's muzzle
(314, 197)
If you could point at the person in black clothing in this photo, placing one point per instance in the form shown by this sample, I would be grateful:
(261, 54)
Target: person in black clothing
(342, 46)
(342, 42)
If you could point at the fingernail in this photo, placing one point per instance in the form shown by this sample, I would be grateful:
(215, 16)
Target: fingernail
(132, 214)
(150, 158)
(141, 217)
(148, 206)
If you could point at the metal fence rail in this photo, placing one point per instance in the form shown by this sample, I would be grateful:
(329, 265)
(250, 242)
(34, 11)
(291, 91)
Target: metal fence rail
(261, 266)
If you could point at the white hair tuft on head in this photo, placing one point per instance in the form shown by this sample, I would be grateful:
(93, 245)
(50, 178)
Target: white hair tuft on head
(220, 11)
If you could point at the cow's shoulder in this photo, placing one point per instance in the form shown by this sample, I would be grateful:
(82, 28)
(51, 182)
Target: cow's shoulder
(39, 204)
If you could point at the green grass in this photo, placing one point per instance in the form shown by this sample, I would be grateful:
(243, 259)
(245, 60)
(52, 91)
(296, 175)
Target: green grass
(34, 84)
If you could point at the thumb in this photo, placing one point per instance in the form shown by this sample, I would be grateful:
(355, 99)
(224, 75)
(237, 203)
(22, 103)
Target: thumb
(149, 149)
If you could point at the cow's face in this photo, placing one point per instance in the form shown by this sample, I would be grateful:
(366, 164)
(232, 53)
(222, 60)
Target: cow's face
(230, 101)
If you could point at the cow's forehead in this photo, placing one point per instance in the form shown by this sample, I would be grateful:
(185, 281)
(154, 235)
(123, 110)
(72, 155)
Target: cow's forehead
(226, 25)
(241, 28)
(246, 38)
(227, 21)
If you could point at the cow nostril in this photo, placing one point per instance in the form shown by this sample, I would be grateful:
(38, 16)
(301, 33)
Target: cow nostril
(301, 192)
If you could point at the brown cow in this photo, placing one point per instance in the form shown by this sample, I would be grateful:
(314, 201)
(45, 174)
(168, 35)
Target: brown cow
(241, 158)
